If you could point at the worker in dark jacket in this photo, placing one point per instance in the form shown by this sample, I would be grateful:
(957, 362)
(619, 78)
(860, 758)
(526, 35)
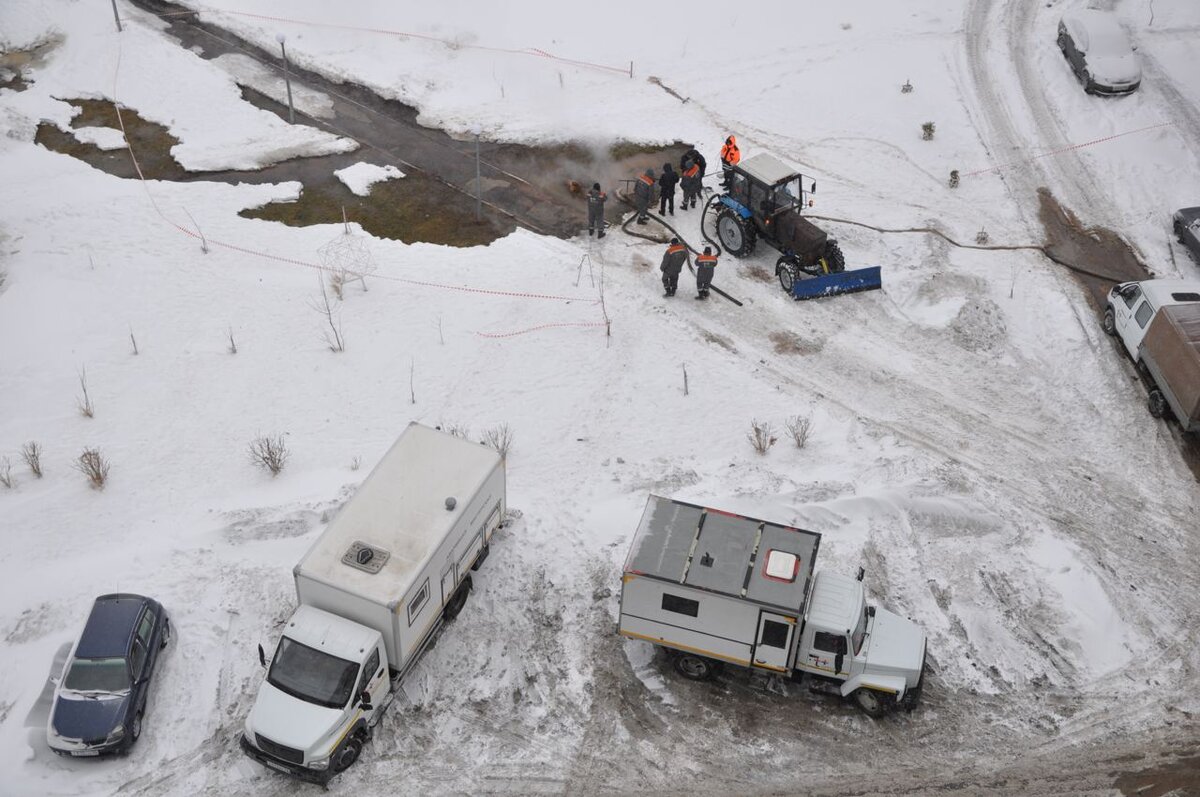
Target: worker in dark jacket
(706, 264)
(666, 185)
(643, 195)
(730, 156)
(595, 200)
(672, 263)
(690, 184)
(695, 157)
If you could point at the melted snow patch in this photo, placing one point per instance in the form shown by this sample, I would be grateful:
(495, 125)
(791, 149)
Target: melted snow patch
(361, 176)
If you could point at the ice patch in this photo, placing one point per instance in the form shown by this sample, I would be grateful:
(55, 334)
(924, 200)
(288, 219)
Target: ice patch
(361, 176)
(641, 660)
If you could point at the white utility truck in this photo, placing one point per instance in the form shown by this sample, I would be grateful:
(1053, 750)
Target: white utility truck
(713, 587)
(1158, 321)
(392, 566)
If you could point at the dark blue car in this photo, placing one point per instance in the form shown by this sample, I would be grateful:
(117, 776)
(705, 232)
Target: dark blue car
(101, 696)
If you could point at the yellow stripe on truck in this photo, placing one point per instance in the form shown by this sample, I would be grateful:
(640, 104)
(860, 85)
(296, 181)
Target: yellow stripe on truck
(702, 651)
(349, 728)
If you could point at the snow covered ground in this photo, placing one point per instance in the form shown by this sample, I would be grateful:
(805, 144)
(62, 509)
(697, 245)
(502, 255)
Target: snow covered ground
(978, 445)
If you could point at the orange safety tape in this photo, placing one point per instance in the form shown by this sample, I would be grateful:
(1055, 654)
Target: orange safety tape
(1068, 148)
(539, 327)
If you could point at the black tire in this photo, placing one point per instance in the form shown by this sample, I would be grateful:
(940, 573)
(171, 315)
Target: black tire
(135, 729)
(458, 599)
(736, 234)
(834, 258)
(347, 754)
(483, 554)
(1179, 231)
(1109, 324)
(1157, 404)
(785, 270)
(166, 635)
(696, 668)
(872, 703)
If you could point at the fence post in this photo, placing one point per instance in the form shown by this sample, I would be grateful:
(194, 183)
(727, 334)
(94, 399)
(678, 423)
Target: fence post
(118, 16)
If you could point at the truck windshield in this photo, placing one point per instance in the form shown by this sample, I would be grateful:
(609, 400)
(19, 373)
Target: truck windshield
(860, 632)
(97, 675)
(786, 195)
(311, 675)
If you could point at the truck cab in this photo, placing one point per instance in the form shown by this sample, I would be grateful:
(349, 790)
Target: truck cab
(1132, 305)
(872, 655)
(326, 687)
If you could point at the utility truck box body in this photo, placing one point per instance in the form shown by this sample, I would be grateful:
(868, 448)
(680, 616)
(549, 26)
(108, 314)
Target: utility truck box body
(390, 568)
(715, 587)
(1171, 353)
(419, 550)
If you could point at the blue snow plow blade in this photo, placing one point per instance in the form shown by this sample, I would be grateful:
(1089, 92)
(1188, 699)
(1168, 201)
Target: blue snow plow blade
(863, 279)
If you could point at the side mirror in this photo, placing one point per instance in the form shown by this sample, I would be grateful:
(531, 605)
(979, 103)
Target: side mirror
(364, 701)
(262, 656)
(837, 662)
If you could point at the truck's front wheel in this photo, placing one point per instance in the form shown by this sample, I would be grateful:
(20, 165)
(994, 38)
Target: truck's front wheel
(695, 668)
(873, 704)
(348, 754)
(1109, 324)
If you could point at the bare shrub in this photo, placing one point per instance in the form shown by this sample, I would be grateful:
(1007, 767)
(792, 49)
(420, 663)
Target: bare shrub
(500, 438)
(269, 452)
(927, 130)
(232, 342)
(457, 429)
(761, 436)
(31, 452)
(93, 465)
(798, 427)
(333, 337)
(133, 341)
(83, 400)
(356, 462)
(6, 477)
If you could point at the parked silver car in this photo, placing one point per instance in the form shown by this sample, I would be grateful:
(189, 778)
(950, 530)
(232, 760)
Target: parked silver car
(1187, 229)
(1099, 52)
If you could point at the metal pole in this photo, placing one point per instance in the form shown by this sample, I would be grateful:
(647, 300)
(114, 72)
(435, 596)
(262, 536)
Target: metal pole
(287, 77)
(118, 16)
(478, 183)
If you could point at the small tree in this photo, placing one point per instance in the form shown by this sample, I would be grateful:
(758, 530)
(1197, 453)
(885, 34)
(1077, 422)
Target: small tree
(94, 466)
(927, 131)
(797, 428)
(83, 400)
(31, 452)
(333, 338)
(269, 452)
(500, 438)
(761, 436)
(6, 477)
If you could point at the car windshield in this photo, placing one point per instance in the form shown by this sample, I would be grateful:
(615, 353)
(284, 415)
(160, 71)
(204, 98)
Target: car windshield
(787, 195)
(1109, 43)
(97, 675)
(312, 676)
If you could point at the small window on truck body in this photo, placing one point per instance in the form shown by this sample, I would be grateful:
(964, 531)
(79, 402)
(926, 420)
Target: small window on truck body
(674, 603)
(418, 602)
(1186, 297)
(830, 643)
(1143, 313)
(774, 634)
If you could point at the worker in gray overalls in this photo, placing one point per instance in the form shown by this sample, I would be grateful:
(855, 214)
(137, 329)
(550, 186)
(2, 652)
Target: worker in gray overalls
(595, 200)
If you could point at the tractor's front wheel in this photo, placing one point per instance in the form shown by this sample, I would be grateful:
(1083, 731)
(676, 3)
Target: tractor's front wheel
(737, 235)
(835, 261)
(784, 269)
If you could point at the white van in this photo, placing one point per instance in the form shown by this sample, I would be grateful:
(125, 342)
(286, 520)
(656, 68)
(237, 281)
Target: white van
(1131, 305)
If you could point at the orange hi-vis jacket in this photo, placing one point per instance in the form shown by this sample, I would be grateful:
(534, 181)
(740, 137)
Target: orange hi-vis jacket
(692, 171)
(647, 180)
(706, 260)
(730, 153)
(675, 248)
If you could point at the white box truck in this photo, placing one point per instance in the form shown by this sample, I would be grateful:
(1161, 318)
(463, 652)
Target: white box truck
(716, 588)
(1158, 321)
(375, 587)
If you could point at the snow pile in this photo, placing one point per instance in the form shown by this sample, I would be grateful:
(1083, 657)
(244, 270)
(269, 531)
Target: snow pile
(101, 137)
(361, 176)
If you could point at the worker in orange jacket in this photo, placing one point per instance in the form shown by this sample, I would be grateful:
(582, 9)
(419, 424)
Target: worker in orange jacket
(706, 264)
(730, 156)
(643, 195)
(672, 263)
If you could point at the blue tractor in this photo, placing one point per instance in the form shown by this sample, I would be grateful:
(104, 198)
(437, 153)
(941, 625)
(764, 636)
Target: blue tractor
(763, 201)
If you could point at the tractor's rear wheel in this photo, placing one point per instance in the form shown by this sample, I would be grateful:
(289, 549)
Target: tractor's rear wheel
(835, 261)
(737, 235)
(787, 276)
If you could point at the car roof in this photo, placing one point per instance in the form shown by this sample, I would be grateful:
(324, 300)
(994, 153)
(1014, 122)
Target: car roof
(1095, 24)
(110, 626)
(767, 168)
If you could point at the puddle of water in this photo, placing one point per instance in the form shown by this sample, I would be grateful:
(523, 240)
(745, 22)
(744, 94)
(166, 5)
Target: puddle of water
(14, 64)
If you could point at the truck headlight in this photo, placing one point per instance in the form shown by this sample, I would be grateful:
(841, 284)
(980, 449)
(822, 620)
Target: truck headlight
(116, 735)
(320, 763)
